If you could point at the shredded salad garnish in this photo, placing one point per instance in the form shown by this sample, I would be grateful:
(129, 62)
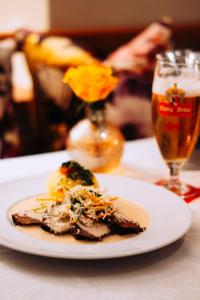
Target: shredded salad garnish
(79, 201)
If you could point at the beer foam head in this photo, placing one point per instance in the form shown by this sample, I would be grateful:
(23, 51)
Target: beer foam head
(190, 83)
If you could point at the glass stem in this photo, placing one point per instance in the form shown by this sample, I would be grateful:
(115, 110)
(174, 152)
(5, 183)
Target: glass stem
(174, 181)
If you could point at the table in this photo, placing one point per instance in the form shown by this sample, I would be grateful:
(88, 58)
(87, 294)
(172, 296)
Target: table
(169, 273)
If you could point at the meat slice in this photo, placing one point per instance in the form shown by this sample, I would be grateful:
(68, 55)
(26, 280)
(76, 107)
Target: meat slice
(56, 220)
(121, 224)
(88, 229)
(121, 221)
(27, 218)
(56, 225)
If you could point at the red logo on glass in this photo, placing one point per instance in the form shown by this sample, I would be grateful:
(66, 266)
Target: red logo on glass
(176, 106)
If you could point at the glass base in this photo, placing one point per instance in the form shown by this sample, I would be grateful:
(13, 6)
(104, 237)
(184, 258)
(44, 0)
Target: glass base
(185, 191)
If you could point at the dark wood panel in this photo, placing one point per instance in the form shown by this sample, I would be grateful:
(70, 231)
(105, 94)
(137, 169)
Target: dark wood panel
(184, 35)
(106, 40)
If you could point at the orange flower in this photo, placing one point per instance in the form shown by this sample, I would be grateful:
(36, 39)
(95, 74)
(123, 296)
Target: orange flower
(92, 82)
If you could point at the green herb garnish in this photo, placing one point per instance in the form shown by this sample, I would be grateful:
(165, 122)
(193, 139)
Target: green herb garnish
(76, 171)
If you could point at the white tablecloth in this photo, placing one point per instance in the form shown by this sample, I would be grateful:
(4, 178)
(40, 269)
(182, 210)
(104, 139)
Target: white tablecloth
(169, 273)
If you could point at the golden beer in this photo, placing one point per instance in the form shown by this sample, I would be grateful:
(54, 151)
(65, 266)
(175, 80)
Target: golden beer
(176, 125)
(176, 114)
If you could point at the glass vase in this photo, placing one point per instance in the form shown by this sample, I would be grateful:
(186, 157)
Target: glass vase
(95, 143)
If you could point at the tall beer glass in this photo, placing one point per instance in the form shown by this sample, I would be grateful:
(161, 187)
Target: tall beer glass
(176, 112)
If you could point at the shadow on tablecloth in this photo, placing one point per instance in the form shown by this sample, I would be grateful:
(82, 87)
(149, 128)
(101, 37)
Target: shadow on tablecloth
(54, 268)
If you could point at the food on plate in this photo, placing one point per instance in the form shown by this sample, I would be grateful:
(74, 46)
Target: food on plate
(27, 218)
(82, 210)
(70, 174)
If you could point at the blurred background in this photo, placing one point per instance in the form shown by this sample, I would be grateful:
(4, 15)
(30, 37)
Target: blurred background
(41, 39)
(90, 14)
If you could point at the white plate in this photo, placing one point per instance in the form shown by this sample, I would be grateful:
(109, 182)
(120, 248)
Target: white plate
(171, 218)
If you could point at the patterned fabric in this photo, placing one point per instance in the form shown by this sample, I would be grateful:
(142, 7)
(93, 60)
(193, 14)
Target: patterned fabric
(134, 65)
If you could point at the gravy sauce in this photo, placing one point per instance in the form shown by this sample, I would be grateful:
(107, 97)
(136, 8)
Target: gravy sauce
(131, 209)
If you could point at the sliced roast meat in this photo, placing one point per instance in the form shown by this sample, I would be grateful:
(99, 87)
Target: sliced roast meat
(27, 218)
(88, 229)
(120, 224)
(56, 225)
(56, 220)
